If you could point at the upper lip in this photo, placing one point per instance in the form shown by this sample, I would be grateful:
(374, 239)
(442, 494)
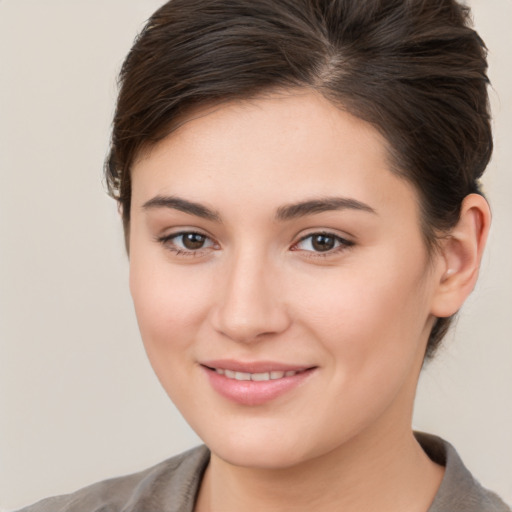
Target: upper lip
(254, 366)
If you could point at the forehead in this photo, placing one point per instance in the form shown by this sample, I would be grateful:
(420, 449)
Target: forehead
(279, 148)
(301, 112)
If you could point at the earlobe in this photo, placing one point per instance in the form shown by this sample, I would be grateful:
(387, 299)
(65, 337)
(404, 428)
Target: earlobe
(461, 254)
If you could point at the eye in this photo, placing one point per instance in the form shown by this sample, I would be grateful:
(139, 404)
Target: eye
(322, 243)
(187, 243)
(191, 241)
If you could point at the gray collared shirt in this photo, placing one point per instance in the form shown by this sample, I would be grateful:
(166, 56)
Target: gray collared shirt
(172, 486)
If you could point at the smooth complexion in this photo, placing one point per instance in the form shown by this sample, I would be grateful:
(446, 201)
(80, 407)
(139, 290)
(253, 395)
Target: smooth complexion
(271, 235)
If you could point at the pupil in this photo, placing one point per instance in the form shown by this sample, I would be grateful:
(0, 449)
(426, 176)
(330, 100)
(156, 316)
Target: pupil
(323, 242)
(193, 241)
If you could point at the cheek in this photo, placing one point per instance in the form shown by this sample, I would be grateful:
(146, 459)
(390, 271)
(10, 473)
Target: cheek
(373, 339)
(170, 309)
(370, 319)
(170, 304)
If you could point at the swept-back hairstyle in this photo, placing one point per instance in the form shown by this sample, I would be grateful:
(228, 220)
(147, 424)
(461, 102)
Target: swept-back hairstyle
(414, 69)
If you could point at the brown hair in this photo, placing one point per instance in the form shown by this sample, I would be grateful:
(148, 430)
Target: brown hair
(414, 69)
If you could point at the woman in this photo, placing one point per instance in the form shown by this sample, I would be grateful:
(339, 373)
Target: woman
(298, 182)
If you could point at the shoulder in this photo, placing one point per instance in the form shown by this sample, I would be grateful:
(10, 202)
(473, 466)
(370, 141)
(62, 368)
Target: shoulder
(171, 486)
(459, 491)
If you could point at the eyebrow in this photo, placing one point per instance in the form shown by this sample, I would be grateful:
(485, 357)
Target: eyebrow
(183, 205)
(284, 213)
(313, 206)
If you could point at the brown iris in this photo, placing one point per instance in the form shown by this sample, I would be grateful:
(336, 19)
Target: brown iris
(193, 241)
(322, 242)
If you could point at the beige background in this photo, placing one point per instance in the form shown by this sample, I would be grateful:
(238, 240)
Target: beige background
(78, 400)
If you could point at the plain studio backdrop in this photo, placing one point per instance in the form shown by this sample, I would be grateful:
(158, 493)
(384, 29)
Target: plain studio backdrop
(78, 399)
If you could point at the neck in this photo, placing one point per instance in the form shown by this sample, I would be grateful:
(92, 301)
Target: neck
(398, 476)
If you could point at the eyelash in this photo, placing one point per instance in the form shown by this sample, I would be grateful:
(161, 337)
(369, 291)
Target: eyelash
(343, 244)
(168, 242)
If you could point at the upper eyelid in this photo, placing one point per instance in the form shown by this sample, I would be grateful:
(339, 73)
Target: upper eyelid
(327, 232)
(335, 252)
(344, 244)
(167, 242)
(168, 238)
(184, 231)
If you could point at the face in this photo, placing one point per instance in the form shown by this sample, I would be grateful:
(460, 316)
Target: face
(280, 279)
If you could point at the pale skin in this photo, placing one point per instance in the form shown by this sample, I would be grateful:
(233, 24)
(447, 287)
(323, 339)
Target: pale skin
(307, 251)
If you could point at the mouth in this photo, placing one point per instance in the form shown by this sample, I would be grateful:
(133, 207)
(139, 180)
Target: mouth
(255, 383)
(256, 377)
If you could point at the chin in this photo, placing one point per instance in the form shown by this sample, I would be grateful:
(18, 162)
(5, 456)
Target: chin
(264, 447)
(257, 456)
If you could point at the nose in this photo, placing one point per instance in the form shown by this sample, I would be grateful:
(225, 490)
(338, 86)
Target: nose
(251, 303)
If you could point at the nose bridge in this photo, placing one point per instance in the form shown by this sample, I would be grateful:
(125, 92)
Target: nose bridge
(250, 303)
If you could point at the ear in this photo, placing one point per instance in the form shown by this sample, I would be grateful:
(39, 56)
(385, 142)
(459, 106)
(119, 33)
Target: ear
(460, 256)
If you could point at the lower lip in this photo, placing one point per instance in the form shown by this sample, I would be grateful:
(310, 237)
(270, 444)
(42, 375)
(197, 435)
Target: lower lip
(248, 392)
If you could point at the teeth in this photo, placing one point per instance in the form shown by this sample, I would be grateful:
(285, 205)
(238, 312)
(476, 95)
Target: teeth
(255, 376)
(260, 376)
